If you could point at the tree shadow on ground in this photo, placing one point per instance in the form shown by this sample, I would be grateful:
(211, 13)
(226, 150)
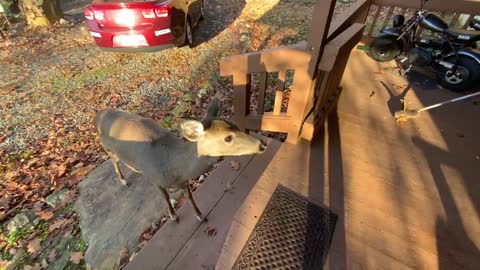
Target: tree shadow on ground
(219, 15)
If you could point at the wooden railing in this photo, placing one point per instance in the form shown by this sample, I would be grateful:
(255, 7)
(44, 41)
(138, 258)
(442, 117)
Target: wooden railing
(458, 13)
(318, 65)
(303, 59)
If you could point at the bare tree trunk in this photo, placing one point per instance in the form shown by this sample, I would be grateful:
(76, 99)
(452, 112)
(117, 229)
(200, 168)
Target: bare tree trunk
(41, 12)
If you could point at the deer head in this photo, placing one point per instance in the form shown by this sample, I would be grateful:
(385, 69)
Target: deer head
(218, 137)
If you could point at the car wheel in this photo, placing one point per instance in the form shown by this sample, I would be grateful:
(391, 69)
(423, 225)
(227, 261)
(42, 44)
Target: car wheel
(188, 34)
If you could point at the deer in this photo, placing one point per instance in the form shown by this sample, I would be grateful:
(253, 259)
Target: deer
(169, 162)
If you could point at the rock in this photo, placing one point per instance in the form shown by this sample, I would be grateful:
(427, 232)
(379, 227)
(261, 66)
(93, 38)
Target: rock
(57, 197)
(62, 258)
(112, 216)
(22, 220)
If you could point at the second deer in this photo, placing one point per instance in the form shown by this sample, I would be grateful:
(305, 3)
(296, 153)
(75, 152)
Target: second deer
(169, 163)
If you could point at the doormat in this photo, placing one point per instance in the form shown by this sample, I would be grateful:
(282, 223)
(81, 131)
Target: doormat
(292, 233)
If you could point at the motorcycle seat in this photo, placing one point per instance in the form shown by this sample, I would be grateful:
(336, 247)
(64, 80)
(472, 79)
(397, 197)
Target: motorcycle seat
(462, 34)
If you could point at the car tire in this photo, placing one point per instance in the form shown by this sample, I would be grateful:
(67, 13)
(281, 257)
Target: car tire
(188, 34)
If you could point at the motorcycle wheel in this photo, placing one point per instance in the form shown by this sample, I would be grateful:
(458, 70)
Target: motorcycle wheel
(384, 49)
(464, 78)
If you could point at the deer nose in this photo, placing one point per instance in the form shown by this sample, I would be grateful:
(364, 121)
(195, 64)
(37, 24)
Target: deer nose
(262, 147)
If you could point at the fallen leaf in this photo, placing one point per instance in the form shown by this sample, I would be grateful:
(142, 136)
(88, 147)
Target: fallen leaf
(10, 175)
(34, 245)
(45, 215)
(61, 170)
(235, 165)
(3, 263)
(37, 206)
(211, 231)
(76, 257)
(56, 225)
(52, 256)
(147, 236)
(44, 263)
(68, 232)
(123, 259)
(83, 170)
(35, 267)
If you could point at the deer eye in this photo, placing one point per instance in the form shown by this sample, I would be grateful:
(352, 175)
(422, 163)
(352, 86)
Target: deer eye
(228, 139)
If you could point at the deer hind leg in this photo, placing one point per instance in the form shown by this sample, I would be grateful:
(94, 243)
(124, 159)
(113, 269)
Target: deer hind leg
(115, 161)
(189, 196)
(171, 211)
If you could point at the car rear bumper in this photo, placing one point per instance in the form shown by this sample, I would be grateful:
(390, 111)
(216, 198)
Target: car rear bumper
(156, 38)
(138, 49)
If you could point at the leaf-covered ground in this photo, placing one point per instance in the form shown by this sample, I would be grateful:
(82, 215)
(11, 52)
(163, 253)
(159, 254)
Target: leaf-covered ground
(54, 80)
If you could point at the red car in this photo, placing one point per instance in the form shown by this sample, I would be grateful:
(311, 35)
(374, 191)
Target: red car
(142, 25)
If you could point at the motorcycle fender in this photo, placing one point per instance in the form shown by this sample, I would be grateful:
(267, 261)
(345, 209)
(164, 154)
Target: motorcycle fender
(475, 55)
(395, 33)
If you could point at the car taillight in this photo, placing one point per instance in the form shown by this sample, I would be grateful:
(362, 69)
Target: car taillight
(98, 15)
(88, 14)
(161, 12)
(148, 13)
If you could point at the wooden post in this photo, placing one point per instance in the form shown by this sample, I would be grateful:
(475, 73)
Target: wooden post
(241, 92)
(322, 17)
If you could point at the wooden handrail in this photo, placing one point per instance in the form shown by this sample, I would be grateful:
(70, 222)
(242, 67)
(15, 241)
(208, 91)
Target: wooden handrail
(462, 6)
(355, 13)
(272, 60)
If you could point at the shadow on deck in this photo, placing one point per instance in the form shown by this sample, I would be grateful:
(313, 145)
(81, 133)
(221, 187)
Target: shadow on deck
(404, 194)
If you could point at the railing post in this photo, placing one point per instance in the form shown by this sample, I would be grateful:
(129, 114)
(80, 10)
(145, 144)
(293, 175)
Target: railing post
(241, 92)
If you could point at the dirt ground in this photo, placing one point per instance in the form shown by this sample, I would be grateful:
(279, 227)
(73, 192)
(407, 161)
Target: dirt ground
(54, 80)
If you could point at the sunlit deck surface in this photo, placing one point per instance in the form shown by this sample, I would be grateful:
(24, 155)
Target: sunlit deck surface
(407, 196)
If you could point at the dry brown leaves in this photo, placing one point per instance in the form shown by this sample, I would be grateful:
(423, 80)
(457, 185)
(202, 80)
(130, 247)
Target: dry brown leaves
(76, 257)
(3, 263)
(34, 246)
(211, 231)
(37, 266)
(45, 215)
(52, 255)
(60, 223)
(123, 259)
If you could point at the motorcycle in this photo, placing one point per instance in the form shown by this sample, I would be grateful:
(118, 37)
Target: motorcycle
(452, 57)
(475, 24)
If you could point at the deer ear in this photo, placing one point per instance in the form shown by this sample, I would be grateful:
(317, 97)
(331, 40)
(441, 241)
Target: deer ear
(192, 130)
(213, 108)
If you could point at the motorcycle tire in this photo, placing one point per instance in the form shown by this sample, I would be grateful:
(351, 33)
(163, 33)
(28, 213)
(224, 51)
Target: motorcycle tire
(384, 49)
(467, 74)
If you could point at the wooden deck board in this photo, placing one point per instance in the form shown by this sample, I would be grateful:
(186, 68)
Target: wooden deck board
(184, 242)
(406, 196)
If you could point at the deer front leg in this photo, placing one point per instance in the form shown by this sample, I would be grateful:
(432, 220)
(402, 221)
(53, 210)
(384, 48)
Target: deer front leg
(115, 161)
(171, 211)
(188, 194)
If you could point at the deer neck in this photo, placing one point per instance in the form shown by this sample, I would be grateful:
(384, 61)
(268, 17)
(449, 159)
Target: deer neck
(195, 165)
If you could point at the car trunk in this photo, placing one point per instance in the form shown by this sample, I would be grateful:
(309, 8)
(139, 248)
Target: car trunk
(131, 15)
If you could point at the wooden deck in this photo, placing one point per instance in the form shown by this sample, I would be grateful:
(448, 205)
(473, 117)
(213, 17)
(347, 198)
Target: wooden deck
(407, 196)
